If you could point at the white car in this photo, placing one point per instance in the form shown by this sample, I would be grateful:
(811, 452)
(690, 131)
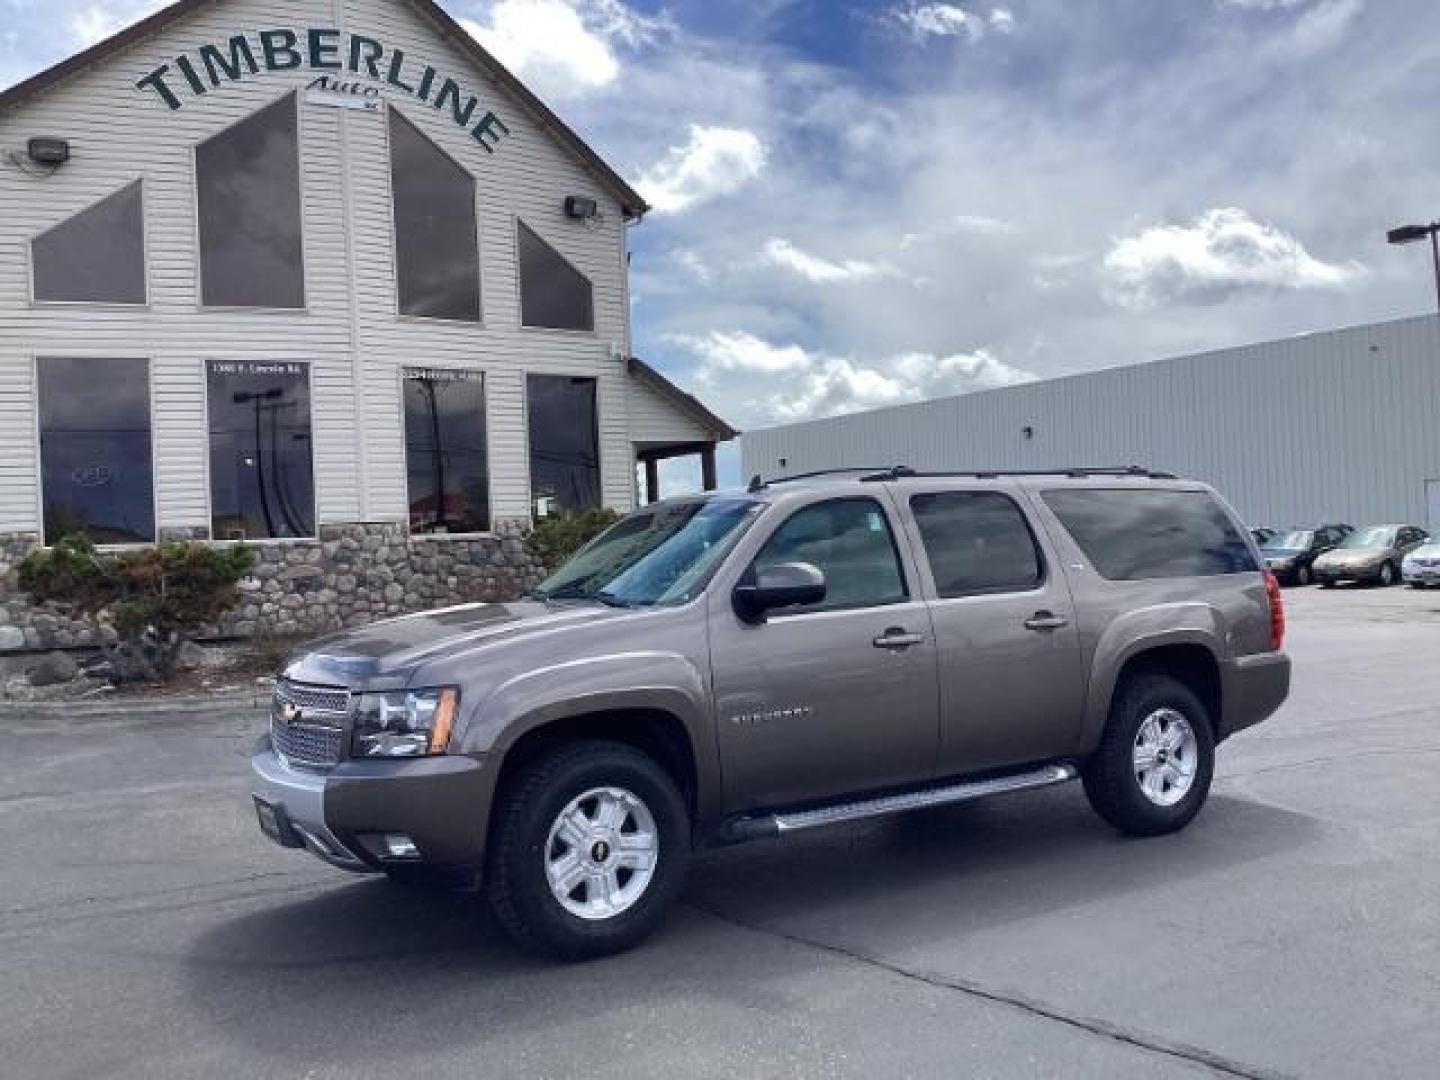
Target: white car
(1422, 566)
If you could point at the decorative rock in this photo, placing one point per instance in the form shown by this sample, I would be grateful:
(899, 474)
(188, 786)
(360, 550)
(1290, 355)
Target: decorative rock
(11, 637)
(52, 669)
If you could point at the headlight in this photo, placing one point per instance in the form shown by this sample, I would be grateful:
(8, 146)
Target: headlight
(403, 723)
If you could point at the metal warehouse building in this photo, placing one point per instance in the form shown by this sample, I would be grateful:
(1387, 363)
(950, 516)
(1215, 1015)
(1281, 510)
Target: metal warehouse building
(320, 275)
(1335, 426)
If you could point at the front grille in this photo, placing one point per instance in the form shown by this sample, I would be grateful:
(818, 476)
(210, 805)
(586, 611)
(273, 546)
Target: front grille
(328, 699)
(308, 723)
(306, 744)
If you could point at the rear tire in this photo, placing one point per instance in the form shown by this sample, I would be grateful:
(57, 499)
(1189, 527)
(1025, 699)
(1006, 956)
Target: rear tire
(600, 814)
(1302, 576)
(1154, 719)
(1386, 577)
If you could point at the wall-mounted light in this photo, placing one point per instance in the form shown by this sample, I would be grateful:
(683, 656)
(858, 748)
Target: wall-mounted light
(581, 208)
(48, 151)
(1028, 432)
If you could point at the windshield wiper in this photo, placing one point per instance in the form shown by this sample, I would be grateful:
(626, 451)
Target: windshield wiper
(564, 592)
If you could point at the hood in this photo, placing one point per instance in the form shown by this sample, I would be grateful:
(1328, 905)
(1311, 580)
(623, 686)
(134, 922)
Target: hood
(1352, 556)
(382, 655)
(1280, 554)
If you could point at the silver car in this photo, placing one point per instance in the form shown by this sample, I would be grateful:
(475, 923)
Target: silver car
(1372, 555)
(1421, 568)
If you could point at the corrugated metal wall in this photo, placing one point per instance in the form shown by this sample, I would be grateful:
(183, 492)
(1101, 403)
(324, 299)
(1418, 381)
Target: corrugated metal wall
(1342, 425)
(119, 134)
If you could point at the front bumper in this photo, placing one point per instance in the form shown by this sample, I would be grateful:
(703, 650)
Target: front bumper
(1365, 572)
(1253, 687)
(1420, 575)
(441, 804)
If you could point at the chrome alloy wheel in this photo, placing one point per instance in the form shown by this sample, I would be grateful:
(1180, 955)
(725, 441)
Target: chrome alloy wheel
(1166, 756)
(601, 853)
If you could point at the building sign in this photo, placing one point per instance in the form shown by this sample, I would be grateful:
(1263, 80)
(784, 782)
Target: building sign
(388, 70)
(343, 95)
(447, 375)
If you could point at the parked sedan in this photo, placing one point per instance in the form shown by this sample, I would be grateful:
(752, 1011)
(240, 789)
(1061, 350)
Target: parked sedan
(1421, 568)
(1372, 554)
(1291, 553)
(1262, 533)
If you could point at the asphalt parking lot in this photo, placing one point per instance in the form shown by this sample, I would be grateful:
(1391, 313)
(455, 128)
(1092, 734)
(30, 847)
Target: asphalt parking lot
(1294, 930)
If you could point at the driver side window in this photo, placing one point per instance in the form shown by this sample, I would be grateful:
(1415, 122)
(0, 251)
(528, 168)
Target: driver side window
(850, 541)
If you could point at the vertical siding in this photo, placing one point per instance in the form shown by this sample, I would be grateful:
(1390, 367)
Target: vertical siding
(1343, 425)
(349, 333)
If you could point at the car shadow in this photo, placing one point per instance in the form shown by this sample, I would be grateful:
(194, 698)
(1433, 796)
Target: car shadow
(368, 972)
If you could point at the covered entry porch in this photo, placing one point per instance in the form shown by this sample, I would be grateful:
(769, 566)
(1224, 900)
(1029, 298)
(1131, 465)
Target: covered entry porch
(667, 423)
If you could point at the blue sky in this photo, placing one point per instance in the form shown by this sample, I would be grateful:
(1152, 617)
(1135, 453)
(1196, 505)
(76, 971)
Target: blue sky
(864, 203)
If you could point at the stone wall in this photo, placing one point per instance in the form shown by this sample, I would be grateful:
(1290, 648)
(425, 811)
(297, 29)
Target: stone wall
(352, 574)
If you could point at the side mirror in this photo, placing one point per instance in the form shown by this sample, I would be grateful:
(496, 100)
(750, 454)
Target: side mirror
(782, 585)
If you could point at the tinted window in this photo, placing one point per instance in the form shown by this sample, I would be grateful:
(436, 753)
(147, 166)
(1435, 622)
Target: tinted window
(261, 483)
(445, 461)
(437, 254)
(552, 292)
(95, 465)
(248, 181)
(98, 255)
(1134, 534)
(564, 450)
(850, 541)
(977, 542)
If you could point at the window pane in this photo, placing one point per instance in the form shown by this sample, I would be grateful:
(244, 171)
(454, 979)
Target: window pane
(261, 483)
(1135, 534)
(445, 451)
(248, 180)
(564, 444)
(850, 541)
(977, 542)
(552, 292)
(437, 255)
(95, 466)
(98, 255)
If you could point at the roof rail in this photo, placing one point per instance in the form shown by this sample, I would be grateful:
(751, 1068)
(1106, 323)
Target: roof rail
(872, 474)
(759, 484)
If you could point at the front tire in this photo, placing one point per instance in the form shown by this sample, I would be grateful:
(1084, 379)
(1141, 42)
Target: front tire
(1302, 576)
(589, 847)
(1151, 773)
(1386, 577)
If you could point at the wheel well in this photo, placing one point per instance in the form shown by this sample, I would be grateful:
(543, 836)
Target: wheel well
(1194, 665)
(655, 732)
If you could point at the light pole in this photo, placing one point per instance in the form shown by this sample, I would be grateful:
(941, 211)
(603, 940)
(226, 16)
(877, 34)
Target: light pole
(1410, 234)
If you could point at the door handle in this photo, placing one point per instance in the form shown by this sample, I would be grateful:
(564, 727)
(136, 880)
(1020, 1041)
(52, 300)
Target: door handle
(897, 638)
(1046, 620)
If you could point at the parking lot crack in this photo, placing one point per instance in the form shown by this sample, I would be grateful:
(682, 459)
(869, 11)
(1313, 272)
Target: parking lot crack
(1140, 1040)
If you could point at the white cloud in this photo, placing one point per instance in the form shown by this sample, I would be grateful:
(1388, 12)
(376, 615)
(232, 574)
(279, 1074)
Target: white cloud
(820, 271)
(971, 224)
(717, 161)
(565, 49)
(97, 21)
(758, 382)
(951, 20)
(1222, 252)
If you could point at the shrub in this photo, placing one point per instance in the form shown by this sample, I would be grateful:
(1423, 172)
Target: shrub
(157, 598)
(558, 537)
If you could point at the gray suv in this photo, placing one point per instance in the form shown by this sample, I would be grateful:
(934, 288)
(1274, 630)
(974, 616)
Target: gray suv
(744, 665)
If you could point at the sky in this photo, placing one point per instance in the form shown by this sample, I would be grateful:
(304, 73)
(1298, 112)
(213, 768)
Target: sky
(860, 204)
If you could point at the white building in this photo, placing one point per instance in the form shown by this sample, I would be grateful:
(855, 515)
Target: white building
(1335, 426)
(293, 270)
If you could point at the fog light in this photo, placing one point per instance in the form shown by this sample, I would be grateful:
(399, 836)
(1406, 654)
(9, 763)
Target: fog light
(390, 847)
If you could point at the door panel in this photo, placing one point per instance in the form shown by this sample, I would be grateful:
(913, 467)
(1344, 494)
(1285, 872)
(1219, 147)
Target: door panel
(835, 699)
(1008, 649)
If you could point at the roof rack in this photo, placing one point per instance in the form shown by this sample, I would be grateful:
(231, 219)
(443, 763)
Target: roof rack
(872, 474)
(759, 484)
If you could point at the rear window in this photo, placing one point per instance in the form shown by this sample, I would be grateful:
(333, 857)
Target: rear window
(1132, 535)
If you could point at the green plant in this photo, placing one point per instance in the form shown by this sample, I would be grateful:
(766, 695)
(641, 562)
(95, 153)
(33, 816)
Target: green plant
(559, 536)
(156, 598)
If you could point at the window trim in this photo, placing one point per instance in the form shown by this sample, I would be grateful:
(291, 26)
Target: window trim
(427, 320)
(194, 150)
(594, 332)
(111, 305)
(309, 364)
(89, 354)
(891, 522)
(525, 374)
(1042, 559)
(487, 534)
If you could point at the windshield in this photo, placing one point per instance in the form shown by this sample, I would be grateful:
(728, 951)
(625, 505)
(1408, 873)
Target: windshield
(1298, 540)
(663, 554)
(1375, 537)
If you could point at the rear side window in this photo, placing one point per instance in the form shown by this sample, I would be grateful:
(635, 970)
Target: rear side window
(977, 542)
(851, 543)
(1131, 535)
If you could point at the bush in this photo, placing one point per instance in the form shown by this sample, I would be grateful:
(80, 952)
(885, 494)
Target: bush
(558, 537)
(157, 598)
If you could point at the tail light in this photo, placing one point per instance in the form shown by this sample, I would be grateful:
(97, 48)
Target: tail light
(1277, 611)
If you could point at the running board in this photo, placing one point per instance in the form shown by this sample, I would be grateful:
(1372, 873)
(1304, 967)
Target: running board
(753, 828)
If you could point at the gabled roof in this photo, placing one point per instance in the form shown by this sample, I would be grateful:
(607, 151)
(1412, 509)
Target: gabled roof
(630, 200)
(689, 404)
